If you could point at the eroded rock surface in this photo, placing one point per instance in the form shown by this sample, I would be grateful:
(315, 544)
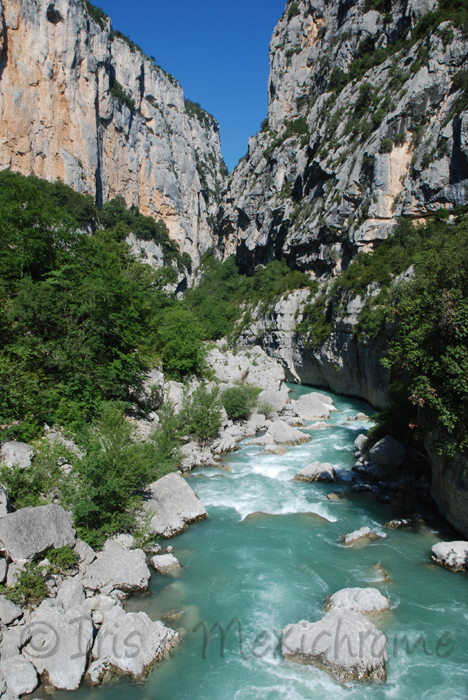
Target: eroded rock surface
(30, 532)
(173, 505)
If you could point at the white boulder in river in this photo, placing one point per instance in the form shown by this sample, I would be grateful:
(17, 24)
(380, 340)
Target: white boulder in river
(361, 535)
(363, 600)
(451, 555)
(284, 434)
(313, 406)
(166, 564)
(173, 505)
(317, 471)
(344, 642)
(30, 532)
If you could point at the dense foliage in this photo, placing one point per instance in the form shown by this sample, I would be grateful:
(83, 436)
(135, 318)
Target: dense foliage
(79, 316)
(235, 293)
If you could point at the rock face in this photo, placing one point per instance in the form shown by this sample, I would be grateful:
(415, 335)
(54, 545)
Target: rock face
(451, 555)
(252, 367)
(81, 104)
(388, 452)
(362, 600)
(344, 642)
(16, 454)
(317, 472)
(173, 504)
(30, 532)
(450, 487)
(282, 199)
(130, 643)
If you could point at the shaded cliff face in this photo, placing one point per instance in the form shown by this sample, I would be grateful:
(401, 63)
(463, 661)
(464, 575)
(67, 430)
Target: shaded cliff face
(358, 133)
(80, 104)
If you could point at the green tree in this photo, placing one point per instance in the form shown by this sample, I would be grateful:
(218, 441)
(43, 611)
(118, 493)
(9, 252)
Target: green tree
(180, 341)
(239, 401)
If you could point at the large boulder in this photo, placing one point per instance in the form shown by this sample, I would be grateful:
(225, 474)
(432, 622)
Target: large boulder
(28, 533)
(130, 643)
(148, 393)
(60, 643)
(116, 568)
(16, 454)
(166, 564)
(313, 406)
(362, 600)
(451, 555)
(284, 434)
(276, 399)
(317, 472)
(388, 452)
(19, 674)
(173, 505)
(227, 443)
(360, 441)
(9, 611)
(3, 569)
(344, 642)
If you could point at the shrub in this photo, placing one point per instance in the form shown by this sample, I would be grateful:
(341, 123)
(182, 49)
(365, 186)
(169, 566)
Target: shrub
(62, 559)
(110, 477)
(265, 408)
(294, 10)
(201, 414)
(239, 401)
(194, 109)
(96, 13)
(118, 93)
(30, 589)
(386, 146)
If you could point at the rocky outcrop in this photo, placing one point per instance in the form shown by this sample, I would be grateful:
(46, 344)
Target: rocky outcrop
(30, 532)
(81, 103)
(166, 564)
(252, 367)
(116, 568)
(344, 642)
(283, 434)
(173, 505)
(354, 137)
(388, 453)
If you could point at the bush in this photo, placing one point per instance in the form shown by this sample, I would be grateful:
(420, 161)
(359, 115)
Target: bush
(386, 146)
(239, 401)
(110, 477)
(201, 414)
(118, 93)
(265, 408)
(61, 560)
(30, 589)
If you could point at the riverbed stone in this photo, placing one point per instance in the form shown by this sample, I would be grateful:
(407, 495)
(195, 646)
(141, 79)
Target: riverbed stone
(360, 441)
(317, 471)
(9, 611)
(129, 642)
(166, 564)
(3, 569)
(71, 594)
(363, 600)
(276, 399)
(451, 555)
(344, 642)
(19, 674)
(116, 568)
(17, 454)
(85, 553)
(173, 505)
(28, 533)
(63, 638)
(227, 443)
(284, 434)
(311, 407)
(361, 535)
(388, 452)
(279, 450)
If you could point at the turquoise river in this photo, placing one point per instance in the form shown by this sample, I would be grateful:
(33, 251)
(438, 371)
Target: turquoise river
(269, 555)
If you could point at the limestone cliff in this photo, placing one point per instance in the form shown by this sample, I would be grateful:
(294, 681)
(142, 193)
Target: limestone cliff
(364, 125)
(80, 102)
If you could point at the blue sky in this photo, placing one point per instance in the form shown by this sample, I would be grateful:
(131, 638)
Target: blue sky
(217, 50)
